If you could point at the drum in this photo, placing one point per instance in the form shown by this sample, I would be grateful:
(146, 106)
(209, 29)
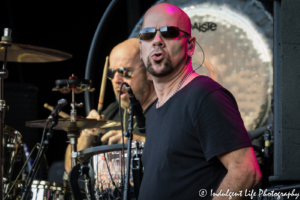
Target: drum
(15, 193)
(42, 190)
(107, 161)
(47, 190)
(12, 145)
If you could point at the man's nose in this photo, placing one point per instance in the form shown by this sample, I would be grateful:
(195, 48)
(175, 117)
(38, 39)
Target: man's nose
(158, 39)
(118, 78)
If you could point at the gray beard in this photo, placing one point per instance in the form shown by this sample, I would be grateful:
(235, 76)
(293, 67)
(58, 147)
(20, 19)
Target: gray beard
(166, 70)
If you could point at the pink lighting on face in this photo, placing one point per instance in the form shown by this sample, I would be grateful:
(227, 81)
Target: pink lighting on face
(170, 9)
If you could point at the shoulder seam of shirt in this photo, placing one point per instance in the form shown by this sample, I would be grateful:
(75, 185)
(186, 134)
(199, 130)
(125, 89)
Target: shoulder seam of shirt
(204, 100)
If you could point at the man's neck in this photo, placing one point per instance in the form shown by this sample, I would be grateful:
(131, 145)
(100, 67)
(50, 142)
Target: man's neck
(150, 98)
(167, 85)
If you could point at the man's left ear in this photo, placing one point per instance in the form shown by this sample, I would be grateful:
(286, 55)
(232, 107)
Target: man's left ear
(191, 46)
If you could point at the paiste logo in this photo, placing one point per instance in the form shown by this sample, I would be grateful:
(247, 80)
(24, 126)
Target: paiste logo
(203, 27)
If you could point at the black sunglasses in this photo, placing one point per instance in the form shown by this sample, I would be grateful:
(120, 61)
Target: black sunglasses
(166, 32)
(126, 73)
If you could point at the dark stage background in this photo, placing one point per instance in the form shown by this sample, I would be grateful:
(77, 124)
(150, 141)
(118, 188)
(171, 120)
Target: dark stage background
(70, 27)
(67, 26)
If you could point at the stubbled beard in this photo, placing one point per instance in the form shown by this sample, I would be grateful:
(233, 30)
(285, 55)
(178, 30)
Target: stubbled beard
(167, 69)
(124, 102)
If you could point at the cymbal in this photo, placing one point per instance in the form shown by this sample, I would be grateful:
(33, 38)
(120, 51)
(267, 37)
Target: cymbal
(82, 123)
(31, 54)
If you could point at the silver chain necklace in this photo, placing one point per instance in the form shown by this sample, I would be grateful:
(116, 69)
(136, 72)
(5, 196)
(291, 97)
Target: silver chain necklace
(180, 84)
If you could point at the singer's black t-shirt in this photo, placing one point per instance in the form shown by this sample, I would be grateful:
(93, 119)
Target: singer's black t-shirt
(184, 136)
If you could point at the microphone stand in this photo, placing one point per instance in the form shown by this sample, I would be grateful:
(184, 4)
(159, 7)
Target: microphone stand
(37, 163)
(129, 135)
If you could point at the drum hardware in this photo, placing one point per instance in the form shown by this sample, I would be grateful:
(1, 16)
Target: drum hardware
(92, 180)
(111, 178)
(53, 118)
(12, 150)
(45, 190)
(74, 175)
(6, 42)
(95, 181)
(81, 169)
(17, 185)
(73, 124)
(87, 180)
(73, 84)
(137, 168)
(11, 52)
(73, 131)
(112, 155)
(73, 128)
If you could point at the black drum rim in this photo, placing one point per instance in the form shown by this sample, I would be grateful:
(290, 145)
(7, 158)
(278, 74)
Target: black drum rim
(85, 154)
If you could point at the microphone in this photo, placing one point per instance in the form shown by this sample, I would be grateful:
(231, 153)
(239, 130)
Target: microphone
(60, 104)
(140, 118)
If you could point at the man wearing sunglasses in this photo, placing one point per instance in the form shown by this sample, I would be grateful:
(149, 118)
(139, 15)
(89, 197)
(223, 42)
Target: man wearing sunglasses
(196, 143)
(124, 66)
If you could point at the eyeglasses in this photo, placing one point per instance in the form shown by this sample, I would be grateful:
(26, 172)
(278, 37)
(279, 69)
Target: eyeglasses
(126, 73)
(166, 32)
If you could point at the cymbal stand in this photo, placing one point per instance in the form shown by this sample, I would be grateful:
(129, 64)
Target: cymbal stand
(73, 130)
(76, 86)
(6, 42)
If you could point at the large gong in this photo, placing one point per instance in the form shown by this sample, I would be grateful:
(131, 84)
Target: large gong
(236, 37)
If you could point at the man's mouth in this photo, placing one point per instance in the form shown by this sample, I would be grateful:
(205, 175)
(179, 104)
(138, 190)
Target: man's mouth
(157, 57)
(123, 93)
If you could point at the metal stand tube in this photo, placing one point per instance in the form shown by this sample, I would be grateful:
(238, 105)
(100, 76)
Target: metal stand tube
(130, 129)
(3, 74)
(1, 150)
(73, 142)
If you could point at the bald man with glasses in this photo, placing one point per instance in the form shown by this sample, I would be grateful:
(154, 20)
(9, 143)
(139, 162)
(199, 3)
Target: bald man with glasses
(125, 66)
(197, 145)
